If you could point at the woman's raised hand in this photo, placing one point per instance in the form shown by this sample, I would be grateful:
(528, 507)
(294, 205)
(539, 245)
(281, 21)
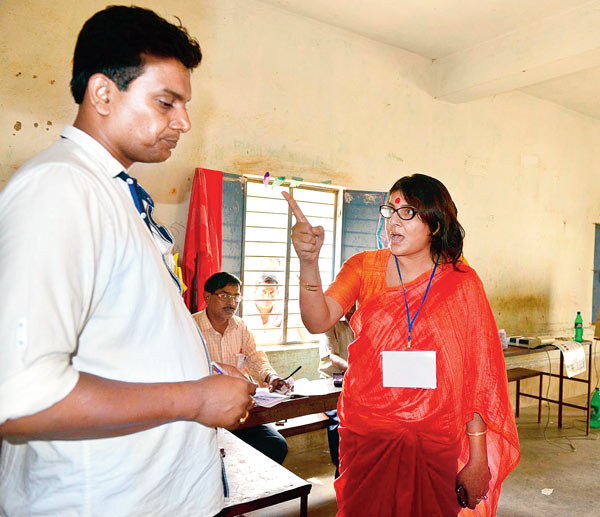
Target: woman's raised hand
(307, 239)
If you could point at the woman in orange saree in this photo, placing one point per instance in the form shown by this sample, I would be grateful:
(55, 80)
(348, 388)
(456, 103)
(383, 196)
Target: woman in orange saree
(408, 440)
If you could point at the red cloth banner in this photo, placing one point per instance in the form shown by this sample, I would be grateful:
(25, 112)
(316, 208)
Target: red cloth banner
(203, 236)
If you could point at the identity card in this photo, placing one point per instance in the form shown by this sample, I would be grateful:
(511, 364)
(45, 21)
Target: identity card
(409, 369)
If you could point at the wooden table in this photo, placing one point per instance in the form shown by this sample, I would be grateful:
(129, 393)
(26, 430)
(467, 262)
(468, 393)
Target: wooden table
(255, 481)
(321, 396)
(513, 351)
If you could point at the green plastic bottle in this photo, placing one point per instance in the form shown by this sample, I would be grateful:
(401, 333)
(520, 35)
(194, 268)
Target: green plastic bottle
(578, 328)
(595, 410)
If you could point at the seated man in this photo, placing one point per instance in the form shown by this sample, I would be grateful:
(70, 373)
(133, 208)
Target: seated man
(333, 347)
(226, 337)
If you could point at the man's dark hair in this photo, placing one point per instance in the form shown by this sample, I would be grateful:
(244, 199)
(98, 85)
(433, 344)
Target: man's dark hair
(268, 278)
(220, 280)
(437, 210)
(115, 42)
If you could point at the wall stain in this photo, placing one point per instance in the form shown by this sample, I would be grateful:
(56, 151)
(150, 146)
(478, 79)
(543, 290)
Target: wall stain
(289, 168)
(49, 123)
(17, 126)
(173, 191)
(522, 314)
(18, 74)
(35, 124)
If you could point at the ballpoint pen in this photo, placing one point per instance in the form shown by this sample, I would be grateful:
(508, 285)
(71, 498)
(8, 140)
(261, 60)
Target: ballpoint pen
(220, 370)
(286, 378)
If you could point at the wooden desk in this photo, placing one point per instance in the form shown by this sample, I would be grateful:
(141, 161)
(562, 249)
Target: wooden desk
(325, 398)
(513, 351)
(255, 481)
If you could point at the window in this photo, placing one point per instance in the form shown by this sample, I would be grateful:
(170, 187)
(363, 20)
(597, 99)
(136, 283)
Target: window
(270, 268)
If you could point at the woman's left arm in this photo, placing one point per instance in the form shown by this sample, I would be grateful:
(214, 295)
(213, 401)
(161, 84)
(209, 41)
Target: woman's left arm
(475, 475)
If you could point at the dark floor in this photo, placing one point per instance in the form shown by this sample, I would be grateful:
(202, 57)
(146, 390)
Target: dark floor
(564, 462)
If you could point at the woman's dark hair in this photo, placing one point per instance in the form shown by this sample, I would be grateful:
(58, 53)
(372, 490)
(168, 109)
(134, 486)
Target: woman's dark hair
(115, 42)
(220, 280)
(437, 210)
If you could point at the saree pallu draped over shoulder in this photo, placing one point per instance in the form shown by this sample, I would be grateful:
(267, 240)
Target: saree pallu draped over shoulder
(401, 448)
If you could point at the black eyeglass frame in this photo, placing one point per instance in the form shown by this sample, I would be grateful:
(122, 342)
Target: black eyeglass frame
(397, 211)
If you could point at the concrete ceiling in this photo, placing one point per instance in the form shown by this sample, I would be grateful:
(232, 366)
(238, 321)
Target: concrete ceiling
(546, 48)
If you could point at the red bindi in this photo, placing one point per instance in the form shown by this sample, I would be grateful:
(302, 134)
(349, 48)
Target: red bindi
(397, 200)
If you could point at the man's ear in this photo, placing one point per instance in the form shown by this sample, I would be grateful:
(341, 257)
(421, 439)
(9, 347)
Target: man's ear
(100, 91)
(206, 294)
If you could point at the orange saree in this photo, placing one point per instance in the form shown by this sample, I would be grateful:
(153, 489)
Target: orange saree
(401, 448)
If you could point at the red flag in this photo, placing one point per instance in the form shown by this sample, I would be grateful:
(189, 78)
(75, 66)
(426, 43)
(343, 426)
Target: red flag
(203, 236)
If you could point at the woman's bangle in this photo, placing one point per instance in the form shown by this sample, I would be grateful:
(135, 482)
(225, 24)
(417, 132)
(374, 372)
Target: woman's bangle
(480, 433)
(309, 287)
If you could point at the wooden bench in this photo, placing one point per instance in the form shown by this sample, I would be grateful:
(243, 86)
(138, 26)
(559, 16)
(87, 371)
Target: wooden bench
(255, 481)
(517, 375)
(302, 424)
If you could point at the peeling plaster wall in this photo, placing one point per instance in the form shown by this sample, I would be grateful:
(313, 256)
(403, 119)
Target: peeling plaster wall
(289, 95)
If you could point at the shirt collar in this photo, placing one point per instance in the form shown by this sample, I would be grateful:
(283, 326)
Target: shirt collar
(232, 324)
(107, 162)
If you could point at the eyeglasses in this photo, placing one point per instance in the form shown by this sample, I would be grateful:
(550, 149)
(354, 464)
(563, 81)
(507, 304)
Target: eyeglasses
(225, 297)
(406, 213)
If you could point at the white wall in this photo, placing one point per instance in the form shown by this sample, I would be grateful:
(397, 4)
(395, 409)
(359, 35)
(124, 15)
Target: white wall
(280, 93)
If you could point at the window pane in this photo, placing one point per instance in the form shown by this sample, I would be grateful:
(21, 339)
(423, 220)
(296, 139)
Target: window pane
(267, 220)
(263, 264)
(316, 196)
(267, 234)
(265, 249)
(263, 204)
(256, 188)
(311, 210)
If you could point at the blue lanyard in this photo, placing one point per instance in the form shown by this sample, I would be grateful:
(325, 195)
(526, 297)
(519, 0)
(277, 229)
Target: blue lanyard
(144, 205)
(412, 322)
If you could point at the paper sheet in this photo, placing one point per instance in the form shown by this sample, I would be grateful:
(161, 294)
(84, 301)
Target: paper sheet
(574, 356)
(265, 398)
(306, 388)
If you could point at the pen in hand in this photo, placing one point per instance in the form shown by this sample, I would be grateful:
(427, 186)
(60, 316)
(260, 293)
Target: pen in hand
(217, 368)
(286, 378)
(220, 370)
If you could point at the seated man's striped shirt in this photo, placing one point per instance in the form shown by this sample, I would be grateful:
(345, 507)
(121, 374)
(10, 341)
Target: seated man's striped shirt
(236, 338)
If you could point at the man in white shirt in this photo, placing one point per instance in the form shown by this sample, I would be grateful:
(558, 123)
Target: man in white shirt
(107, 405)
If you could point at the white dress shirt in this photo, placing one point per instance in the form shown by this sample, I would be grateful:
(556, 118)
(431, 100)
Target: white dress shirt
(85, 288)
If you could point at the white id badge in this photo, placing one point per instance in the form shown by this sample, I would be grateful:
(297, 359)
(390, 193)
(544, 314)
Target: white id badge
(409, 369)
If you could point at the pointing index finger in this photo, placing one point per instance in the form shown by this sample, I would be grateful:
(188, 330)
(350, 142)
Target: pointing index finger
(300, 217)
